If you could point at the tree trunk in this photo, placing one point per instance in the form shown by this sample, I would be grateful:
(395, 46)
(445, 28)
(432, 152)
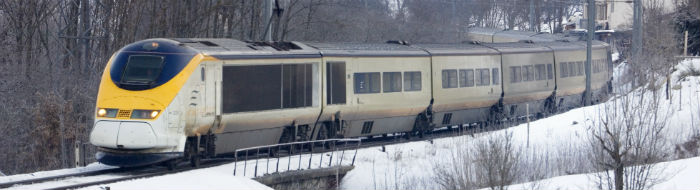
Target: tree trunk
(619, 174)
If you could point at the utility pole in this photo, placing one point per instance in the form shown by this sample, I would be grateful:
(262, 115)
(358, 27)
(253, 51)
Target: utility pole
(268, 16)
(532, 15)
(637, 28)
(589, 44)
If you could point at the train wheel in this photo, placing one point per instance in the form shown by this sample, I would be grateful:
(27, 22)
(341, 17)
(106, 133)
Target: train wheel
(171, 165)
(195, 160)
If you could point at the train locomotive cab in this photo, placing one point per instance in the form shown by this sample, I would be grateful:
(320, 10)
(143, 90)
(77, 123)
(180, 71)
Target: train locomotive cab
(134, 121)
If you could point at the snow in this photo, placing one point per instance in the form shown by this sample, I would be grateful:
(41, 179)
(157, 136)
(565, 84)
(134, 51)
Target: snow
(211, 178)
(411, 165)
(683, 175)
(88, 168)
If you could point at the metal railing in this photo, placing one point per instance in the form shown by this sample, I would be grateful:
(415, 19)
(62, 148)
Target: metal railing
(295, 152)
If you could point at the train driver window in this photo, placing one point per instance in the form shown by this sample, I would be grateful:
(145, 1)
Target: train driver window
(411, 81)
(550, 74)
(367, 83)
(496, 76)
(392, 81)
(466, 77)
(515, 74)
(449, 78)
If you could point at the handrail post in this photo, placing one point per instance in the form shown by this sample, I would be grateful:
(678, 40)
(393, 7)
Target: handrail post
(289, 160)
(353, 157)
(267, 162)
(235, 164)
(277, 167)
(255, 174)
(323, 146)
(245, 162)
(301, 149)
(332, 151)
(342, 153)
(311, 155)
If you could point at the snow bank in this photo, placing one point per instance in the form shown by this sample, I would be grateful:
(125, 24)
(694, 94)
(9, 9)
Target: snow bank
(683, 174)
(211, 178)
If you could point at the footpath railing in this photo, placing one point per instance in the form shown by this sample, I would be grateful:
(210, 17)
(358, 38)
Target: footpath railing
(315, 152)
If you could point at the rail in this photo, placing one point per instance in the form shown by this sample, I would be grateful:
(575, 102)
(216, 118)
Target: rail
(295, 152)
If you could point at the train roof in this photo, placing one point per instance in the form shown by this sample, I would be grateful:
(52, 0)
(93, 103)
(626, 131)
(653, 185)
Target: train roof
(563, 46)
(456, 49)
(366, 49)
(223, 48)
(484, 31)
(517, 47)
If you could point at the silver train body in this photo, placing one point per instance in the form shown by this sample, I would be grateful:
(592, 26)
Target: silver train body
(235, 94)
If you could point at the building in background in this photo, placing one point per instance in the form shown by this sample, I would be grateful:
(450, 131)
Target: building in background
(618, 14)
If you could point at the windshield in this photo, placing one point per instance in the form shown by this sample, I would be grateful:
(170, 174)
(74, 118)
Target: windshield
(142, 70)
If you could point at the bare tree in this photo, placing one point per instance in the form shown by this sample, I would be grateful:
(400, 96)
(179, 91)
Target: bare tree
(627, 140)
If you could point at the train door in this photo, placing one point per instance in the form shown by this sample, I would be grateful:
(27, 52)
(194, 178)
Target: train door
(207, 88)
(212, 76)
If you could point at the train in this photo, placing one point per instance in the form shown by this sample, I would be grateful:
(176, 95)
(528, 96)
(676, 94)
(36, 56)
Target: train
(162, 100)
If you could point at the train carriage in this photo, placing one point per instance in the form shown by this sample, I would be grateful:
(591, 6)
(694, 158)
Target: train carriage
(162, 100)
(466, 83)
(387, 85)
(528, 78)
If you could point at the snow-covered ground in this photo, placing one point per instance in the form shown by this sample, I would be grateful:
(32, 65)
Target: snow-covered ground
(412, 165)
(681, 174)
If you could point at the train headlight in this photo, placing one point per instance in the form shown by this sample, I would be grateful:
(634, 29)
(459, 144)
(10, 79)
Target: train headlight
(144, 114)
(107, 112)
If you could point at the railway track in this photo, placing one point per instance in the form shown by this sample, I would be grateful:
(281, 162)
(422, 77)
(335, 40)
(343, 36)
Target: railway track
(67, 181)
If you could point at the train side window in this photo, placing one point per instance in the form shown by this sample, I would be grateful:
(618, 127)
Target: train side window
(483, 77)
(202, 73)
(515, 74)
(550, 73)
(297, 84)
(251, 88)
(563, 70)
(580, 68)
(449, 78)
(367, 83)
(411, 81)
(392, 81)
(572, 69)
(335, 83)
(466, 77)
(496, 76)
(541, 72)
(528, 73)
